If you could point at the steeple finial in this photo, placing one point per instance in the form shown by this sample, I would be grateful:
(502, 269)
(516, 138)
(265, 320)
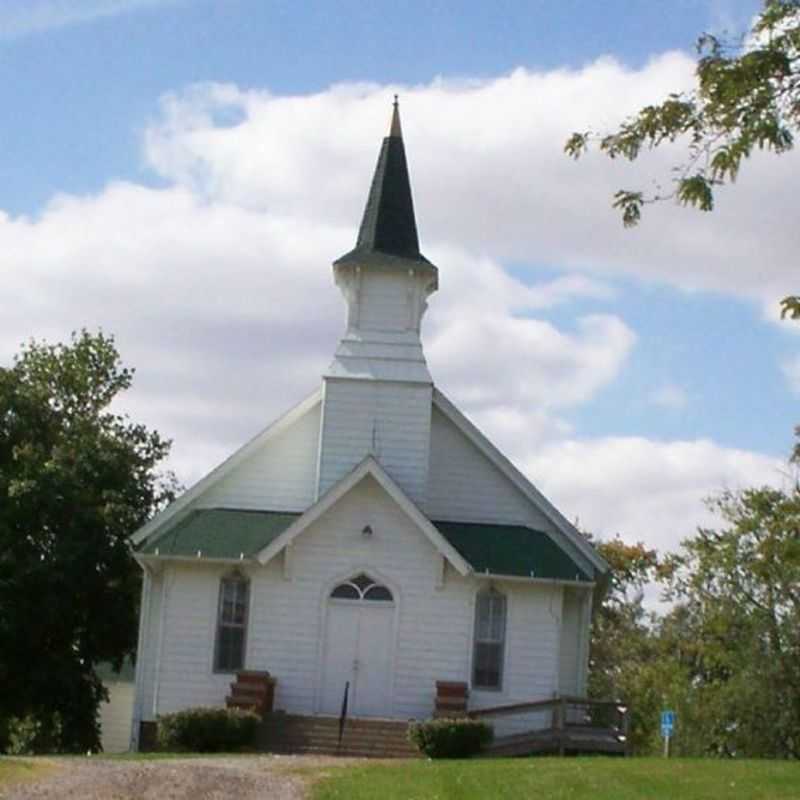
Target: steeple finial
(394, 128)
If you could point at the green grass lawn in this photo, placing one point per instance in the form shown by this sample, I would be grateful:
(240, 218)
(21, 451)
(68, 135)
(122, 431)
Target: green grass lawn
(565, 779)
(15, 770)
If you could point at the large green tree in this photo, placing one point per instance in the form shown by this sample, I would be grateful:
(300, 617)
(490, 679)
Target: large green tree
(747, 97)
(726, 652)
(737, 624)
(76, 479)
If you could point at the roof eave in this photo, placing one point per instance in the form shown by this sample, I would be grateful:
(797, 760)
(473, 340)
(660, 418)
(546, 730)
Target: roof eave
(161, 558)
(489, 576)
(378, 259)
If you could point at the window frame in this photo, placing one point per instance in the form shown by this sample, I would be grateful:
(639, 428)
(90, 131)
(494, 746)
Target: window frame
(502, 642)
(240, 579)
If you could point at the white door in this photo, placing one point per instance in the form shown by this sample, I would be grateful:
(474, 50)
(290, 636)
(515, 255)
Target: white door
(358, 649)
(341, 646)
(374, 660)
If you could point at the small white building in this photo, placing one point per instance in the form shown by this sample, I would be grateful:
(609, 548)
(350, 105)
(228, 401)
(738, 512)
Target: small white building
(371, 537)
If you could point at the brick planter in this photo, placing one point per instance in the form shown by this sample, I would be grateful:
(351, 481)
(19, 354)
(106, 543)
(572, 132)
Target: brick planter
(451, 699)
(252, 690)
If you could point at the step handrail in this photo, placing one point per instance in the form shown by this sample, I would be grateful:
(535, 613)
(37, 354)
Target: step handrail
(343, 715)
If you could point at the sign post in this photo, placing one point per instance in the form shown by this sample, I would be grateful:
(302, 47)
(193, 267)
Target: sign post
(667, 729)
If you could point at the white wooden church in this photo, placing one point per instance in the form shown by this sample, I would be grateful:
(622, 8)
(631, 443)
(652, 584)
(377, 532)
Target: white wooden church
(371, 537)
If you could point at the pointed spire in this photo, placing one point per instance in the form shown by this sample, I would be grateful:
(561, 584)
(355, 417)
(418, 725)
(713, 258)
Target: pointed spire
(394, 128)
(388, 227)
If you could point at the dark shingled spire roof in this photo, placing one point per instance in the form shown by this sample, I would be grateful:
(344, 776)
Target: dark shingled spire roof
(388, 230)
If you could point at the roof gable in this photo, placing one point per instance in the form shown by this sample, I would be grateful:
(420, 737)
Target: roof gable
(183, 504)
(369, 466)
(572, 538)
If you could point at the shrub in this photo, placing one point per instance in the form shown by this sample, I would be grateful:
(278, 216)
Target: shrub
(450, 738)
(30, 735)
(208, 730)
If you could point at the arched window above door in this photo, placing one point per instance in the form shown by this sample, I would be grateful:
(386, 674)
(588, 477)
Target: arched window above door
(362, 587)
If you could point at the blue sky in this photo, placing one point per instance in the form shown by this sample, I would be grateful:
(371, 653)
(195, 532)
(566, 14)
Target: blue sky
(152, 148)
(96, 81)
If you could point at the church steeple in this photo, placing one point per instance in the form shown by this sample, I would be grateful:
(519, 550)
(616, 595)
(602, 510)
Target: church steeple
(388, 227)
(378, 390)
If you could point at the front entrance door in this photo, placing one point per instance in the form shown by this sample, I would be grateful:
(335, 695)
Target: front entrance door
(358, 649)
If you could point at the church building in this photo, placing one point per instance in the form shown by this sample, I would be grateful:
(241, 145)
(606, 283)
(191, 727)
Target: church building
(372, 540)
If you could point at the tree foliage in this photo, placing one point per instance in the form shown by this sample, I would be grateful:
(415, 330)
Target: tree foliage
(623, 647)
(726, 654)
(738, 589)
(747, 97)
(76, 479)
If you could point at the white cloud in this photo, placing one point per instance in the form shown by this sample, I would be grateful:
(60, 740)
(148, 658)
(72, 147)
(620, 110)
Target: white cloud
(669, 396)
(22, 17)
(489, 172)
(496, 360)
(791, 371)
(645, 490)
(220, 291)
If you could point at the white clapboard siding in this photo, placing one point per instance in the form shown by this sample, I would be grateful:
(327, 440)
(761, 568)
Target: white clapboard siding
(390, 420)
(280, 476)
(147, 657)
(115, 718)
(186, 675)
(570, 644)
(287, 618)
(464, 485)
(531, 655)
(384, 301)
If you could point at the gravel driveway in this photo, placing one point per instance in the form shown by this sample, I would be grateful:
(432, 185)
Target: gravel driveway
(207, 778)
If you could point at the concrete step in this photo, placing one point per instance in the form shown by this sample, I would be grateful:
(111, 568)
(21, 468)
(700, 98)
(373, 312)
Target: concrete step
(286, 733)
(334, 742)
(319, 723)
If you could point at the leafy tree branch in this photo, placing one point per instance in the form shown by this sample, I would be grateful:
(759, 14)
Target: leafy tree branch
(746, 98)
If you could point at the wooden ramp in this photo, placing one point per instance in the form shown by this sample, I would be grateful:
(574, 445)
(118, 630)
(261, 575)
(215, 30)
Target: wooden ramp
(577, 726)
(572, 740)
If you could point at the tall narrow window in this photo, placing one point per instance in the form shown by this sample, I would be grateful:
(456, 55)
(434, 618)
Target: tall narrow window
(490, 636)
(234, 597)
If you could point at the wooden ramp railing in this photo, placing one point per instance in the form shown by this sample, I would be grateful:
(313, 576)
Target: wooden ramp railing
(561, 725)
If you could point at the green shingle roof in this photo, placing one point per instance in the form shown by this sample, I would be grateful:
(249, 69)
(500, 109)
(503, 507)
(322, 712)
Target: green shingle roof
(221, 533)
(513, 550)
(510, 550)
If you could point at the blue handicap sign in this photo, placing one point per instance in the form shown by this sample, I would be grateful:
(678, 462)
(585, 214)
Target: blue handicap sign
(667, 723)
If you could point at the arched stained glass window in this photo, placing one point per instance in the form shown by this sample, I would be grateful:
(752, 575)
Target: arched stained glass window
(362, 587)
(378, 593)
(346, 591)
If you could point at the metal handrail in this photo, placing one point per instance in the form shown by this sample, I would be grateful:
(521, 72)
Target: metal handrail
(343, 714)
